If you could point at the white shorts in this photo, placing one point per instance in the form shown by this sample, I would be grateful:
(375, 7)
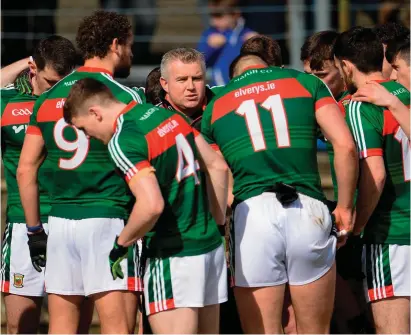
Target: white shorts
(77, 257)
(387, 269)
(190, 281)
(274, 245)
(18, 275)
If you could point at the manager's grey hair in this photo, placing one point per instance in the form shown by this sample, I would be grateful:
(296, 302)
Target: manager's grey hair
(184, 55)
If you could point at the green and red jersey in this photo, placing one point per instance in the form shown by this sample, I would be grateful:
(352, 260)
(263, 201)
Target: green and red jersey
(377, 133)
(148, 136)
(81, 178)
(16, 108)
(343, 100)
(264, 124)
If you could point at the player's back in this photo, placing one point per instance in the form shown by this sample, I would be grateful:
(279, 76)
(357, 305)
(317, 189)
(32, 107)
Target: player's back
(82, 179)
(378, 133)
(16, 109)
(186, 226)
(264, 124)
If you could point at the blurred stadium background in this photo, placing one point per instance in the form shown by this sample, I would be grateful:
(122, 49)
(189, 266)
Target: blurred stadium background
(161, 25)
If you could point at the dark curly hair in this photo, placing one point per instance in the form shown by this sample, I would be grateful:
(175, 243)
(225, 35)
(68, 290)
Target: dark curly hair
(97, 32)
(57, 52)
(153, 86)
(268, 48)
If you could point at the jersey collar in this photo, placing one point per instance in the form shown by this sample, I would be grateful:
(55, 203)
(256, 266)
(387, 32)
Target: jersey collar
(124, 111)
(93, 69)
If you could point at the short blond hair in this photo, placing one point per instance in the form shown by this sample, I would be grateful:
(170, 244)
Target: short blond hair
(184, 55)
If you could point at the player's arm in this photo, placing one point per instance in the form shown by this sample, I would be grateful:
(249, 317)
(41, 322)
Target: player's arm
(370, 187)
(217, 179)
(10, 72)
(147, 209)
(335, 129)
(377, 94)
(366, 123)
(31, 157)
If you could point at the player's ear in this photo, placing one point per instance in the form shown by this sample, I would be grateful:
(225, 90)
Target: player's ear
(164, 84)
(114, 47)
(96, 112)
(32, 66)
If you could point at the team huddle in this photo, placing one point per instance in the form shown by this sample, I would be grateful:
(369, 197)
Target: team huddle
(118, 196)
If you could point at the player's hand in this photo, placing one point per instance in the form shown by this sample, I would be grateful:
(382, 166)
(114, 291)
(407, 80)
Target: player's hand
(216, 40)
(38, 247)
(344, 221)
(117, 254)
(374, 93)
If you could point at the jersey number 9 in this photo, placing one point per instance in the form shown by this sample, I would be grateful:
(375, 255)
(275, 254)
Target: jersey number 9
(79, 146)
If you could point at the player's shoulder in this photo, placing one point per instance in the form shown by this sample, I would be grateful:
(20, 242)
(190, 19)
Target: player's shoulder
(8, 92)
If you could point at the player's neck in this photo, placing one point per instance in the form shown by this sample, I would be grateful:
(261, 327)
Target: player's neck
(365, 78)
(101, 63)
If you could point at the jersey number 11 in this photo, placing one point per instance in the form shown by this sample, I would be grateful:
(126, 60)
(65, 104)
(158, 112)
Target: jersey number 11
(274, 104)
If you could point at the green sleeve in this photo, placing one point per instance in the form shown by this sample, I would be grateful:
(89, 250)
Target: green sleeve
(206, 130)
(366, 123)
(128, 150)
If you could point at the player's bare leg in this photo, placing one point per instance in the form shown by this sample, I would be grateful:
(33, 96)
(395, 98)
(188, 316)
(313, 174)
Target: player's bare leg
(288, 321)
(86, 316)
(260, 309)
(209, 319)
(23, 313)
(391, 315)
(64, 313)
(111, 312)
(175, 321)
(313, 304)
(131, 300)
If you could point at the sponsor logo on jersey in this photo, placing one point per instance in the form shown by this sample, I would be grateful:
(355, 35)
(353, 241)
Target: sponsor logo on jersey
(254, 89)
(18, 129)
(21, 111)
(148, 113)
(169, 126)
(18, 280)
(70, 83)
(399, 91)
(60, 103)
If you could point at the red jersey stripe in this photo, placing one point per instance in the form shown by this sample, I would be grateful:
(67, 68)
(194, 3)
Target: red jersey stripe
(162, 138)
(390, 123)
(287, 88)
(93, 69)
(139, 166)
(51, 110)
(323, 102)
(371, 152)
(33, 130)
(17, 113)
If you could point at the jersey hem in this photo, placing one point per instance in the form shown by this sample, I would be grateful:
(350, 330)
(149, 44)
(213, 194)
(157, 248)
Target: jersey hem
(22, 219)
(78, 212)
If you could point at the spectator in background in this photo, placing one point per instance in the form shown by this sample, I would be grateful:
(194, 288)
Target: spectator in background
(144, 23)
(221, 42)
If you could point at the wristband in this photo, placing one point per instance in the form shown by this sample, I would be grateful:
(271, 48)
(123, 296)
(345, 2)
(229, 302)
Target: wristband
(35, 229)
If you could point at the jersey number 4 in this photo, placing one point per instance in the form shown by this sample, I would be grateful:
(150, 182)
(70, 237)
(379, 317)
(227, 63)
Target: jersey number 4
(274, 104)
(406, 152)
(79, 147)
(187, 165)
